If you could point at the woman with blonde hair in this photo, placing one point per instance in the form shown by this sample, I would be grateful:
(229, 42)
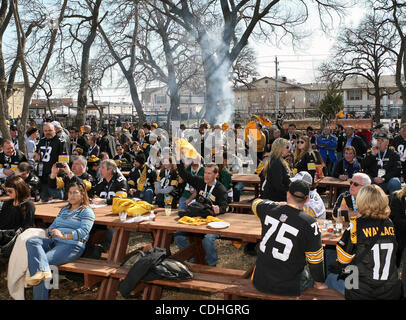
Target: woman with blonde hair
(306, 158)
(369, 247)
(275, 176)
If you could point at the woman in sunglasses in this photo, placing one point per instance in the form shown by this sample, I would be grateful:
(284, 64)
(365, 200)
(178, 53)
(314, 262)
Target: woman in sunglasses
(275, 176)
(18, 211)
(306, 158)
(67, 237)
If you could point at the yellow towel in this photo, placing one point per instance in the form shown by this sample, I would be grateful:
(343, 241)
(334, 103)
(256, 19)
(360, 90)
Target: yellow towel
(197, 221)
(186, 148)
(133, 208)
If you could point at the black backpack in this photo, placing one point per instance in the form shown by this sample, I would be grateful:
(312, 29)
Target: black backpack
(202, 207)
(9, 238)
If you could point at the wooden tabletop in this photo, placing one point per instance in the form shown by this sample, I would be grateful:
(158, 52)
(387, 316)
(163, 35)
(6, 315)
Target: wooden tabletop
(335, 182)
(246, 178)
(242, 226)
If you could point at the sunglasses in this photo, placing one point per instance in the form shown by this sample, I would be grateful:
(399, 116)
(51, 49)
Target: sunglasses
(356, 184)
(300, 142)
(8, 191)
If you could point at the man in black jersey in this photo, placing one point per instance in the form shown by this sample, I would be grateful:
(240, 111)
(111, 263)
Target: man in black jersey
(399, 143)
(49, 148)
(290, 238)
(9, 159)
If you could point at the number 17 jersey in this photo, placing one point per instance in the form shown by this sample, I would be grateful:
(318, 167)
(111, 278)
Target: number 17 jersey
(289, 238)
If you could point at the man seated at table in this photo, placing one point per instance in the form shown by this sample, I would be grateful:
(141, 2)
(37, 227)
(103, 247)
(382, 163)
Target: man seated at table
(9, 159)
(123, 159)
(315, 205)
(24, 170)
(112, 183)
(141, 179)
(208, 187)
(61, 178)
(348, 165)
(346, 207)
(291, 238)
(383, 166)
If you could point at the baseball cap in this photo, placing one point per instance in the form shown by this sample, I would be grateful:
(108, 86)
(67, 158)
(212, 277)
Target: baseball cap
(303, 176)
(56, 124)
(13, 127)
(379, 126)
(299, 189)
(381, 135)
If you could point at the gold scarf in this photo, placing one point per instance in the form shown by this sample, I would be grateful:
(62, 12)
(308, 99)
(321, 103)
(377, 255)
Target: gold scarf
(143, 179)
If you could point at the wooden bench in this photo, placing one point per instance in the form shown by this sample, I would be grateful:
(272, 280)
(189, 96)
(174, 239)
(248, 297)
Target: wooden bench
(241, 207)
(244, 288)
(233, 283)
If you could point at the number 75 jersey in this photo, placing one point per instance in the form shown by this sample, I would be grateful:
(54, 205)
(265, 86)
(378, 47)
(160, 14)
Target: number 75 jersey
(289, 239)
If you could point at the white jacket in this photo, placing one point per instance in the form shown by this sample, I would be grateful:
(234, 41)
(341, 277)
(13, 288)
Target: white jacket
(18, 263)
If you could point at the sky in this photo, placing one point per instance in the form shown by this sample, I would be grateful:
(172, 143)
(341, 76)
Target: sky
(298, 64)
(301, 64)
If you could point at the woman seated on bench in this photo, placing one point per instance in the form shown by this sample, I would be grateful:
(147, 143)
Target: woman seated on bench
(16, 213)
(67, 237)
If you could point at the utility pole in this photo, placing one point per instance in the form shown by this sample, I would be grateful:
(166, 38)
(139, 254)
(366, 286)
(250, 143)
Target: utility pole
(276, 86)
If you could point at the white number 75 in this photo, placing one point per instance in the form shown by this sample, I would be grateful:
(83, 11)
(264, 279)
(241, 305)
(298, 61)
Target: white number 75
(280, 237)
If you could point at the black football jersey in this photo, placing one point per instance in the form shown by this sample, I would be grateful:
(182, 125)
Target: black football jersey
(400, 147)
(11, 162)
(370, 245)
(116, 187)
(289, 239)
(50, 149)
(135, 175)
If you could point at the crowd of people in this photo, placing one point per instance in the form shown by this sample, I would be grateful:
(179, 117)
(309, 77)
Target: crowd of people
(86, 166)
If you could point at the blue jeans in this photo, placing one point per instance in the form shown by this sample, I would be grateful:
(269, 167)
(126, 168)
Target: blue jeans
(237, 188)
(332, 282)
(146, 195)
(182, 204)
(43, 253)
(208, 243)
(48, 192)
(392, 185)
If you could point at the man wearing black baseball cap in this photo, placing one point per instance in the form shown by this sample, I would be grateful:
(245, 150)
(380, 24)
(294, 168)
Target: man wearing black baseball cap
(382, 164)
(289, 234)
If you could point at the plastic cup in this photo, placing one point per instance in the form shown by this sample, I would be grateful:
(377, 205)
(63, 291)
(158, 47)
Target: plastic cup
(123, 216)
(168, 210)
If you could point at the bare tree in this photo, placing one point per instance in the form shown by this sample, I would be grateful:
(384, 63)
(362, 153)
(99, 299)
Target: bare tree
(363, 51)
(174, 62)
(395, 13)
(120, 36)
(45, 46)
(223, 28)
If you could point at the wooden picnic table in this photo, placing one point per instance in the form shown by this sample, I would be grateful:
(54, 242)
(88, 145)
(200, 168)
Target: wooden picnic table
(250, 179)
(118, 248)
(334, 185)
(246, 228)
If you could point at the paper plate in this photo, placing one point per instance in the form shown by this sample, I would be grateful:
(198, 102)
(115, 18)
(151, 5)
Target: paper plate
(218, 224)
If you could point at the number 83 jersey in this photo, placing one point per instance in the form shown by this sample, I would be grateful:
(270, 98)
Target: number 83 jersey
(289, 239)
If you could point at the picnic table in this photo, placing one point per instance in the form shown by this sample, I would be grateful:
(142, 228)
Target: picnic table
(250, 179)
(104, 216)
(243, 227)
(334, 185)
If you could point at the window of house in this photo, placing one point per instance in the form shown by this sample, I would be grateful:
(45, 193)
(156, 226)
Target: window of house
(160, 99)
(354, 94)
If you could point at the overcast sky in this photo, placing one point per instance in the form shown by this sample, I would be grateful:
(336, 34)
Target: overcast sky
(301, 64)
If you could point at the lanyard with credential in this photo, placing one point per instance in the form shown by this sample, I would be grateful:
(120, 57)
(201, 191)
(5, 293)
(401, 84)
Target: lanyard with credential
(381, 159)
(207, 195)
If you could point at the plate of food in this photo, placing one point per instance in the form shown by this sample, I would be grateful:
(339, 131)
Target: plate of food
(218, 224)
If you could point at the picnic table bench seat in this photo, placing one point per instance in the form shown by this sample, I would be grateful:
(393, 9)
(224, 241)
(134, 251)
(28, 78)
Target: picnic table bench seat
(241, 207)
(233, 283)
